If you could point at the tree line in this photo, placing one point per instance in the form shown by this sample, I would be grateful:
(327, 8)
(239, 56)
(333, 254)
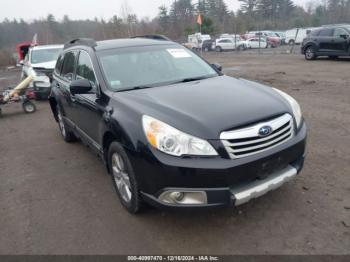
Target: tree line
(177, 21)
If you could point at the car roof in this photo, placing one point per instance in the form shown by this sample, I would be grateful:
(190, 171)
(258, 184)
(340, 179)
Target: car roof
(42, 47)
(129, 42)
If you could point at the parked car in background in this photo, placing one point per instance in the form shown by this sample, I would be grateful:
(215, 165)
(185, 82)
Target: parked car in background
(195, 41)
(271, 38)
(161, 142)
(257, 42)
(208, 45)
(331, 41)
(282, 36)
(39, 63)
(232, 43)
(297, 35)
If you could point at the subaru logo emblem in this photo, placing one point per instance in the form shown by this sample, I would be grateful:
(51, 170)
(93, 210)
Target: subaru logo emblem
(265, 131)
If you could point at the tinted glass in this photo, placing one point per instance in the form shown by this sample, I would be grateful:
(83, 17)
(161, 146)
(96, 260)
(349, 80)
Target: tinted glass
(85, 69)
(59, 64)
(326, 32)
(315, 32)
(151, 66)
(68, 66)
(44, 55)
(340, 32)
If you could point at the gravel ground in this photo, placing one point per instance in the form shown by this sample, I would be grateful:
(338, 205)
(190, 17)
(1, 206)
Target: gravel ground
(55, 198)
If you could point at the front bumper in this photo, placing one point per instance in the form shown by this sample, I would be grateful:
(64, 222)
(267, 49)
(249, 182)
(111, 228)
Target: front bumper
(42, 90)
(225, 182)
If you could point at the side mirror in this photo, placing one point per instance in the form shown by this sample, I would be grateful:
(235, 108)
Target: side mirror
(344, 36)
(217, 67)
(80, 86)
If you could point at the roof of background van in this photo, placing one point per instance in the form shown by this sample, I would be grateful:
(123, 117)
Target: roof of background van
(42, 47)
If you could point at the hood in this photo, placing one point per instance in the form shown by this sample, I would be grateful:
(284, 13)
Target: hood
(46, 65)
(206, 108)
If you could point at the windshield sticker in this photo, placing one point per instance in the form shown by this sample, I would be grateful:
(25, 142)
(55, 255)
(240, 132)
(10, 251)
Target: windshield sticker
(179, 53)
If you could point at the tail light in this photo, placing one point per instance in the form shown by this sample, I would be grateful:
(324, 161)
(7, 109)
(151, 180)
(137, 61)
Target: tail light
(30, 94)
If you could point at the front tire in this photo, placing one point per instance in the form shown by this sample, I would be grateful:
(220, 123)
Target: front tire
(123, 177)
(310, 53)
(218, 49)
(28, 107)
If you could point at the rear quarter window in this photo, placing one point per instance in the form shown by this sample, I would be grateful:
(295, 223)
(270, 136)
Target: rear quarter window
(68, 65)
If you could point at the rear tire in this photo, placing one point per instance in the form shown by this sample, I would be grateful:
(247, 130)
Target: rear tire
(310, 53)
(291, 42)
(67, 135)
(123, 177)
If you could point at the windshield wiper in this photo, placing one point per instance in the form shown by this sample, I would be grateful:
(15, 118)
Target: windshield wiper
(134, 88)
(191, 79)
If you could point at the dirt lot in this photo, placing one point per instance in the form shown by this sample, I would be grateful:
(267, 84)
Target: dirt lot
(55, 198)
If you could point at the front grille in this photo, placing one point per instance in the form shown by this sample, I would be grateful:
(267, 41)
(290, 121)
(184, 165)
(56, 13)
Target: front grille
(246, 141)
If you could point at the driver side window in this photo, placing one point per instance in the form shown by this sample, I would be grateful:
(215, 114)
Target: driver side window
(85, 69)
(338, 32)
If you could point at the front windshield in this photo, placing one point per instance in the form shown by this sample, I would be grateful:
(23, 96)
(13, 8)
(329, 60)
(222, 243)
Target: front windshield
(45, 55)
(148, 66)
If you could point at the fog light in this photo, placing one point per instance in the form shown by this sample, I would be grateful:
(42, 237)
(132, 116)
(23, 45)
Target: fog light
(184, 197)
(177, 196)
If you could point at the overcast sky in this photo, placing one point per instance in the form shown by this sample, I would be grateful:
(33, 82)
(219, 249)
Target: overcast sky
(82, 9)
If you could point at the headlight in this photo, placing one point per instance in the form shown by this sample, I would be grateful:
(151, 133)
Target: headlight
(295, 106)
(172, 141)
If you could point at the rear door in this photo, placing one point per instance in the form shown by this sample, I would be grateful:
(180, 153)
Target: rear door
(63, 83)
(340, 40)
(325, 40)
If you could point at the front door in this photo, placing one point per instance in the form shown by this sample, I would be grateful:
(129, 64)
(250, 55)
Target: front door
(88, 110)
(341, 40)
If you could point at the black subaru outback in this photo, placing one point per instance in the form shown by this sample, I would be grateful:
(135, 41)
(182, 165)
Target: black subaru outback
(172, 130)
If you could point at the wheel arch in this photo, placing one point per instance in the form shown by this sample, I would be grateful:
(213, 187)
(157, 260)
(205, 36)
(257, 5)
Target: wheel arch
(307, 45)
(109, 137)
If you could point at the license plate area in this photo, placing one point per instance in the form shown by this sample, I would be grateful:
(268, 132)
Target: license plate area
(271, 166)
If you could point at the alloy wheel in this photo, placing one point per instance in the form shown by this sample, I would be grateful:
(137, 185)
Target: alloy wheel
(121, 177)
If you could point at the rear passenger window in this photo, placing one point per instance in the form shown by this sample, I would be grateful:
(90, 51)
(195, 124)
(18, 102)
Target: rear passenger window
(68, 66)
(315, 32)
(326, 32)
(85, 68)
(59, 65)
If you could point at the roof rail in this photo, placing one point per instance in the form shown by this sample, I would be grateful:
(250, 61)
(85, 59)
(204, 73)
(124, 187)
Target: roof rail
(336, 25)
(81, 41)
(154, 37)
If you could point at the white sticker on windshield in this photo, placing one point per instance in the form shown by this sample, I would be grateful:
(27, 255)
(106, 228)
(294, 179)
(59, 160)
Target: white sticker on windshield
(179, 53)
